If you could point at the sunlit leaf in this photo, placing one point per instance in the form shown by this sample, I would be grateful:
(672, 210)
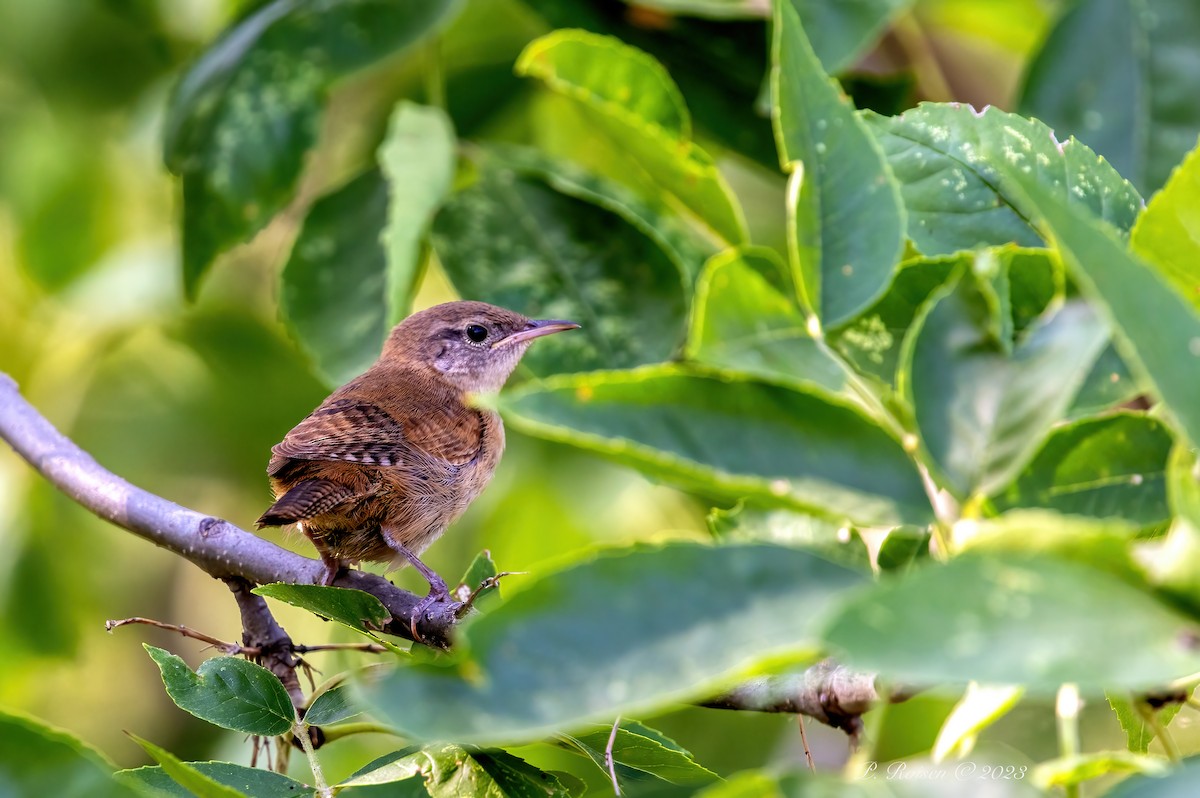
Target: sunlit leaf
(946, 158)
(1099, 55)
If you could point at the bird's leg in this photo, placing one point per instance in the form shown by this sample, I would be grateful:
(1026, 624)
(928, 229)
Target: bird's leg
(437, 586)
(333, 564)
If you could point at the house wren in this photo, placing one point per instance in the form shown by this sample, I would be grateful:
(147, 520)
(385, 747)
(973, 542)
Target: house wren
(394, 456)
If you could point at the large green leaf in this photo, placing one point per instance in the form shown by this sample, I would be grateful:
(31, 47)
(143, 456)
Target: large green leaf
(982, 413)
(841, 32)
(841, 188)
(726, 436)
(1156, 330)
(1178, 783)
(195, 782)
(653, 216)
(37, 760)
(515, 242)
(633, 101)
(1167, 234)
(333, 293)
(946, 158)
(1037, 622)
(229, 692)
(1121, 76)
(345, 284)
(418, 160)
(252, 782)
(690, 619)
(1113, 466)
(245, 113)
(449, 770)
(746, 320)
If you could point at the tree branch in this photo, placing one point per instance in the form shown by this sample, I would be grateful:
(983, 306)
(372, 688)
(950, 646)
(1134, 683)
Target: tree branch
(827, 691)
(216, 546)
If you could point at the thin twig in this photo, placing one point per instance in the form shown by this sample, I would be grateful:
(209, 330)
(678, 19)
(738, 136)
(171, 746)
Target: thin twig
(804, 741)
(226, 647)
(608, 755)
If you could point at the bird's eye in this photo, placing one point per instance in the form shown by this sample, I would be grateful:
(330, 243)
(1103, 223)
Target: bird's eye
(477, 332)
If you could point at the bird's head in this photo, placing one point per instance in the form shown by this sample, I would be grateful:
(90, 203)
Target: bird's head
(473, 345)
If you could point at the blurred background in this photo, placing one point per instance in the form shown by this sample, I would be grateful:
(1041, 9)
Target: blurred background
(186, 399)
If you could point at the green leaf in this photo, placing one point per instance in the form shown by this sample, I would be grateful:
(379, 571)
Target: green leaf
(653, 216)
(690, 619)
(639, 754)
(841, 544)
(980, 707)
(872, 342)
(450, 770)
(981, 413)
(332, 706)
(1174, 564)
(418, 160)
(746, 320)
(1108, 384)
(251, 782)
(633, 101)
(513, 241)
(1156, 330)
(228, 692)
(1167, 234)
(1138, 732)
(353, 608)
(724, 436)
(193, 781)
(1016, 620)
(1177, 783)
(904, 547)
(947, 157)
(842, 187)
(1113, 466)
(1102, 543)
(482, 568)
(843, 32)
(1082, 767)
(1104, 52)
(333, 292)
(38, 760)
(245, 113)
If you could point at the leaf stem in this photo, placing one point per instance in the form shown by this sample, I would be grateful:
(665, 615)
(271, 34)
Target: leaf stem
(1066, 708)
(300, 730)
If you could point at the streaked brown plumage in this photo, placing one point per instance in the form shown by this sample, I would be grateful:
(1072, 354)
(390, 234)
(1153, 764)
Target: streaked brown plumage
(390, 459)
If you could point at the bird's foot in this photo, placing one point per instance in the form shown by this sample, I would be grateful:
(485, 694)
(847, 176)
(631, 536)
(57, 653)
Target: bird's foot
(438, 592)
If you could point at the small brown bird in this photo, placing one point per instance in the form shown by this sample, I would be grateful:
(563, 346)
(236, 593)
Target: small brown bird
(394, 456)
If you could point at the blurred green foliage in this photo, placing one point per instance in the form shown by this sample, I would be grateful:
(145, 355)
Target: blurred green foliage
(829, 326)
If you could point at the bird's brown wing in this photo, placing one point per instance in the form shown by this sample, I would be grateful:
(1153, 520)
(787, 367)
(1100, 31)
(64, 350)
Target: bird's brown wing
(358, 430)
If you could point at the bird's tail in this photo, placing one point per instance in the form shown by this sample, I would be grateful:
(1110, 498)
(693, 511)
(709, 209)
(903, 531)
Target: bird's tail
(304, 500)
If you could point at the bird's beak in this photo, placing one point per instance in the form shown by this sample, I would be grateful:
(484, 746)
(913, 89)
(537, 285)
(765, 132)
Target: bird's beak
(536, 329)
